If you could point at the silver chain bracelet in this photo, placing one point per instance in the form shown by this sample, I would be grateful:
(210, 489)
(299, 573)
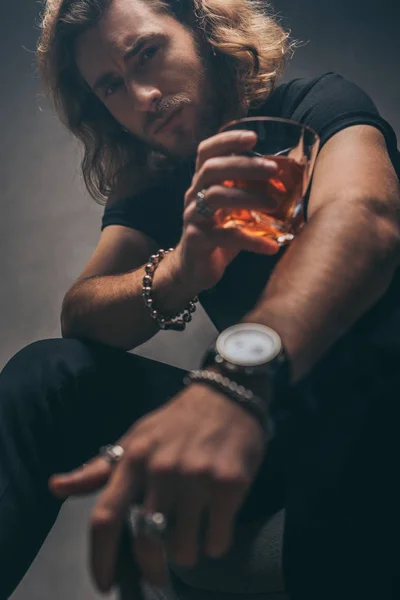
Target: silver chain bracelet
(177, 322)
(245, 397)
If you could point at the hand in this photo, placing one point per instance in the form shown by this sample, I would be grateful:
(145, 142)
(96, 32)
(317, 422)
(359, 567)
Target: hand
(206, 249)
(197, 454)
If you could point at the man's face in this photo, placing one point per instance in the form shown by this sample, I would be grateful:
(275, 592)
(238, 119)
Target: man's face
(143, 66)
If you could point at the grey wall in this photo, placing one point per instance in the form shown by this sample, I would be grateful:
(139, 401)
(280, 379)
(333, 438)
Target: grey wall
(49, 227)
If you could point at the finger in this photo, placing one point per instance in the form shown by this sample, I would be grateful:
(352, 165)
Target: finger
(87, 478)
(226, 501)
(108, 516)
(183, 542)
(219, 169)
(84, 480)
(150, 553)
(222, 197)
(223, 144)
(128, 574)
(237, 238)
(231, 238)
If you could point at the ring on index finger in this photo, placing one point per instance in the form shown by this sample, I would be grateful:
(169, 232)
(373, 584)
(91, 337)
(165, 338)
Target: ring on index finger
(113, 453)
(202, 207)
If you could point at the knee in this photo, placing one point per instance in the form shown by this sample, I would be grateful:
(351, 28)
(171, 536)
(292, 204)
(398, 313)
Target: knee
(47, 363)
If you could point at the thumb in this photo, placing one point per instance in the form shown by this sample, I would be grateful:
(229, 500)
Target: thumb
(86, 479)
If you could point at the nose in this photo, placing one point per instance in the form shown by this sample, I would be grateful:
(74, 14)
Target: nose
(145, 97)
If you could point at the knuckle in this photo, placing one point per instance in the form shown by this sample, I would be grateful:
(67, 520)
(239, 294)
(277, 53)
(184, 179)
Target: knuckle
(138, 452)
(267, 166)
(101, 518)
(261, 163)
(231, 476)
(188, 213)
(234, 136)
(141, 427)
(207, 170)
(193, 235)
(202, 148)
(162, 466)
(194, 468)
(251, 163)
(212, 164)
(215, 194)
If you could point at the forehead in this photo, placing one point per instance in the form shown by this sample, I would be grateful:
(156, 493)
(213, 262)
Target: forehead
(124, 21)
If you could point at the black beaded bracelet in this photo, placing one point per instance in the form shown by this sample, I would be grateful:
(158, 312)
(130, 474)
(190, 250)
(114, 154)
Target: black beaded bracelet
(179, 321)
(238, 393)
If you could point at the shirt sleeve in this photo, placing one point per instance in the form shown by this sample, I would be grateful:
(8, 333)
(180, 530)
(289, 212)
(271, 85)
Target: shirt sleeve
(129, 212)
(156, 213)
(331, 104)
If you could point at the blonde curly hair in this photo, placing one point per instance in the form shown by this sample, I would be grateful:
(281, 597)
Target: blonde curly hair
(251, 49)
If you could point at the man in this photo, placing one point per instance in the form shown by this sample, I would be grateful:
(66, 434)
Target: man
(146, 86)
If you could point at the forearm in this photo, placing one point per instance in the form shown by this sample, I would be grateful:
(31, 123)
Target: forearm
(110, 308)
(333, 273)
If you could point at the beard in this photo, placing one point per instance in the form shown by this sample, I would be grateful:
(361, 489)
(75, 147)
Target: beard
(210, 98)
(208, 111)
(206, 120)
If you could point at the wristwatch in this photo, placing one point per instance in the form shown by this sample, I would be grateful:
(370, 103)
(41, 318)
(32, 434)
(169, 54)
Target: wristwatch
(251, 349)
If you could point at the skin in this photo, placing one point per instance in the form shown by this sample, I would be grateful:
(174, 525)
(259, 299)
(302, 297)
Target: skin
(168, 72)
(201, 451)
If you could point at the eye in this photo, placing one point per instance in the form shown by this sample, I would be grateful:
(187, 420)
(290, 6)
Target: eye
(148, 54)
(112, 88)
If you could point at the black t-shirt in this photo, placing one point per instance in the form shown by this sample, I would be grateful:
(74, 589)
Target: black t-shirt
(328, 104)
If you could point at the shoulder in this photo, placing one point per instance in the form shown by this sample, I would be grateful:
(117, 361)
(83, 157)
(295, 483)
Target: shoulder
(126, 184)
(154, 209)
(296, 97)
(329, 103)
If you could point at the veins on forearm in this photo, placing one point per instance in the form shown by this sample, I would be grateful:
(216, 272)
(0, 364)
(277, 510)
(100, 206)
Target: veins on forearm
(339, 267)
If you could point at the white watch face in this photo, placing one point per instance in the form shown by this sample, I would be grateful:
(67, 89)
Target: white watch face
(249, 345)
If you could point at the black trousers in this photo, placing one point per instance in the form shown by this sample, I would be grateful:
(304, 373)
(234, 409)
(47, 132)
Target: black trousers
(334, 469)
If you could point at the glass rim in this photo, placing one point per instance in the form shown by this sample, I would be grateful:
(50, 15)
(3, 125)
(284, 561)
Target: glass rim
(278, 119)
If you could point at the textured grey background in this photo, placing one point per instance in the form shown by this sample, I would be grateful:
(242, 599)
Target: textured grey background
(49, 227)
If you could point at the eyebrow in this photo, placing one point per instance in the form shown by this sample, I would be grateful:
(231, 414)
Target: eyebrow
(106, 78)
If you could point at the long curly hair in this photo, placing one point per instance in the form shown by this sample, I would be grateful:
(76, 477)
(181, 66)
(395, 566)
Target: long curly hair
(251, 49)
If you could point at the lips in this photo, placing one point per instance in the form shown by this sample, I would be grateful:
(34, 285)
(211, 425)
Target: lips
(165, 120)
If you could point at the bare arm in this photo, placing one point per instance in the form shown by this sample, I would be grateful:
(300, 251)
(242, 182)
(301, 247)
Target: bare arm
(345, 259)
(106, 305)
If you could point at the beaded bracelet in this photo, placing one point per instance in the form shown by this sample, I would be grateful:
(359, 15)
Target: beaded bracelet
(245, 397)
(177, 322)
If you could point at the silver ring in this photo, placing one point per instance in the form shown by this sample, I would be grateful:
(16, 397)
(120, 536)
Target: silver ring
(201, 205)
(151, 525)
(112, 453)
